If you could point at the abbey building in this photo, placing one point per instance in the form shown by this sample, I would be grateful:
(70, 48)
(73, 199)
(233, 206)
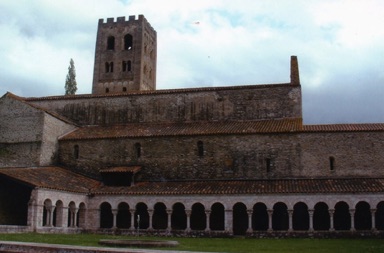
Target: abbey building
(200, 161)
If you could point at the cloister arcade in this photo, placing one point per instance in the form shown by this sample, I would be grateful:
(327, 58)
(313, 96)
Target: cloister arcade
(237, 218)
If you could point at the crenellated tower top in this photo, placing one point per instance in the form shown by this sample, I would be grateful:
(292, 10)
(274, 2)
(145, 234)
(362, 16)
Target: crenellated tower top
(125, 56)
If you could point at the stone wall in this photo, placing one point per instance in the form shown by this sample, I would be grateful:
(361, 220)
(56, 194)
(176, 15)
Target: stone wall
(235, 156)
(17, 115)
(20, 133)
(52, 129)
(206, 104)
(164, 158)
(353, 153)
(28, 136)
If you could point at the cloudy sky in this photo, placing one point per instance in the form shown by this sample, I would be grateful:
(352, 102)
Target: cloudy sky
(202, 43)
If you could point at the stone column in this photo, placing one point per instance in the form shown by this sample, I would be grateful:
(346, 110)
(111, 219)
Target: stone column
(207, 214)
(331, 225)
(132, 212)
(373, 212)
(270, 213)
(250, 229)
(188, 213)
(290, 214)
(114, 213)
(310, 212)
(169, 221)
(150, 213)
(50, 211)
(75, 217)
(352, 213)
(229, 221)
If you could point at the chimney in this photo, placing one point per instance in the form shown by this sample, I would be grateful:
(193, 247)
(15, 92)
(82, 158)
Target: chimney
(295, 77)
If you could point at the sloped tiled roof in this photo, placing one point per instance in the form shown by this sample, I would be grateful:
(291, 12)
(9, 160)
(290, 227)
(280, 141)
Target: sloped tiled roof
(179, 129)
(344, 127)
(51, 178)
(62, 179)
(132, 169)
(234, 187)
(289, 125)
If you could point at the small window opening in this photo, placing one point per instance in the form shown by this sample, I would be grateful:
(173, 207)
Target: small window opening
(138, 150)
(268, 162)
(126, 66)
(111, 43)
(76, 151)
(128, 41)
(124, 89)
(108, 67)
(106, 90)
(331, 163)
(200, 148)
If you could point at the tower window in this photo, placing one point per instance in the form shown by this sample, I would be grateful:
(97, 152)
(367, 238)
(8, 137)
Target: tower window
(200, 148)
(128, 42)
(126, 66)
(76, 151)
(331, 163)
(138, 150)
(108, 67)
(111, 43)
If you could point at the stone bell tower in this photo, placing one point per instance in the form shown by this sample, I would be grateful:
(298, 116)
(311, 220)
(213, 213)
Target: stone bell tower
(125, 56)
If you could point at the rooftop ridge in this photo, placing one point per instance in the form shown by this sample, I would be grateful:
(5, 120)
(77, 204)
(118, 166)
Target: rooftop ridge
(159, 92)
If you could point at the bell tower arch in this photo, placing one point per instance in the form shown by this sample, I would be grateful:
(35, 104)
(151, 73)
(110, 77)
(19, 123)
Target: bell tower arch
(125, 56)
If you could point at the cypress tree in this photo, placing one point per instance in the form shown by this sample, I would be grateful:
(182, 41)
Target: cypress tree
(70, 82)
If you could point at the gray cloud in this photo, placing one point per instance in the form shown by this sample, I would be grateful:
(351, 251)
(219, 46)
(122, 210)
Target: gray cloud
(211, 43)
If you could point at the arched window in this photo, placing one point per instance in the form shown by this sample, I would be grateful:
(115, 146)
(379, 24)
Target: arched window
(138, 150)
(76, 151)
(108, 67)
(111, 43)
(126, 66)
(331, 163)
(128, 42)
(200, 148)
(269, 164)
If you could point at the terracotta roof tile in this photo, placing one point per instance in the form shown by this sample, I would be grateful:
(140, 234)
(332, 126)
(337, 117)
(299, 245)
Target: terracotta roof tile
(179, 129)
(132, 169)
(229, 187)
(344, 127)
(51, 178)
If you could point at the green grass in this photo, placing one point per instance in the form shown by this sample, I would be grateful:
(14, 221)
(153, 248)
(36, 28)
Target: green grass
(238, 245)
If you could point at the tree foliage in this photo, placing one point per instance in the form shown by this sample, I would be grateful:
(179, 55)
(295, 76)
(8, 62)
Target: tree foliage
(70, 82)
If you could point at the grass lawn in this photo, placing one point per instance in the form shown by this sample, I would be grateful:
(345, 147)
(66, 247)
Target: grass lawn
(219, 244)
